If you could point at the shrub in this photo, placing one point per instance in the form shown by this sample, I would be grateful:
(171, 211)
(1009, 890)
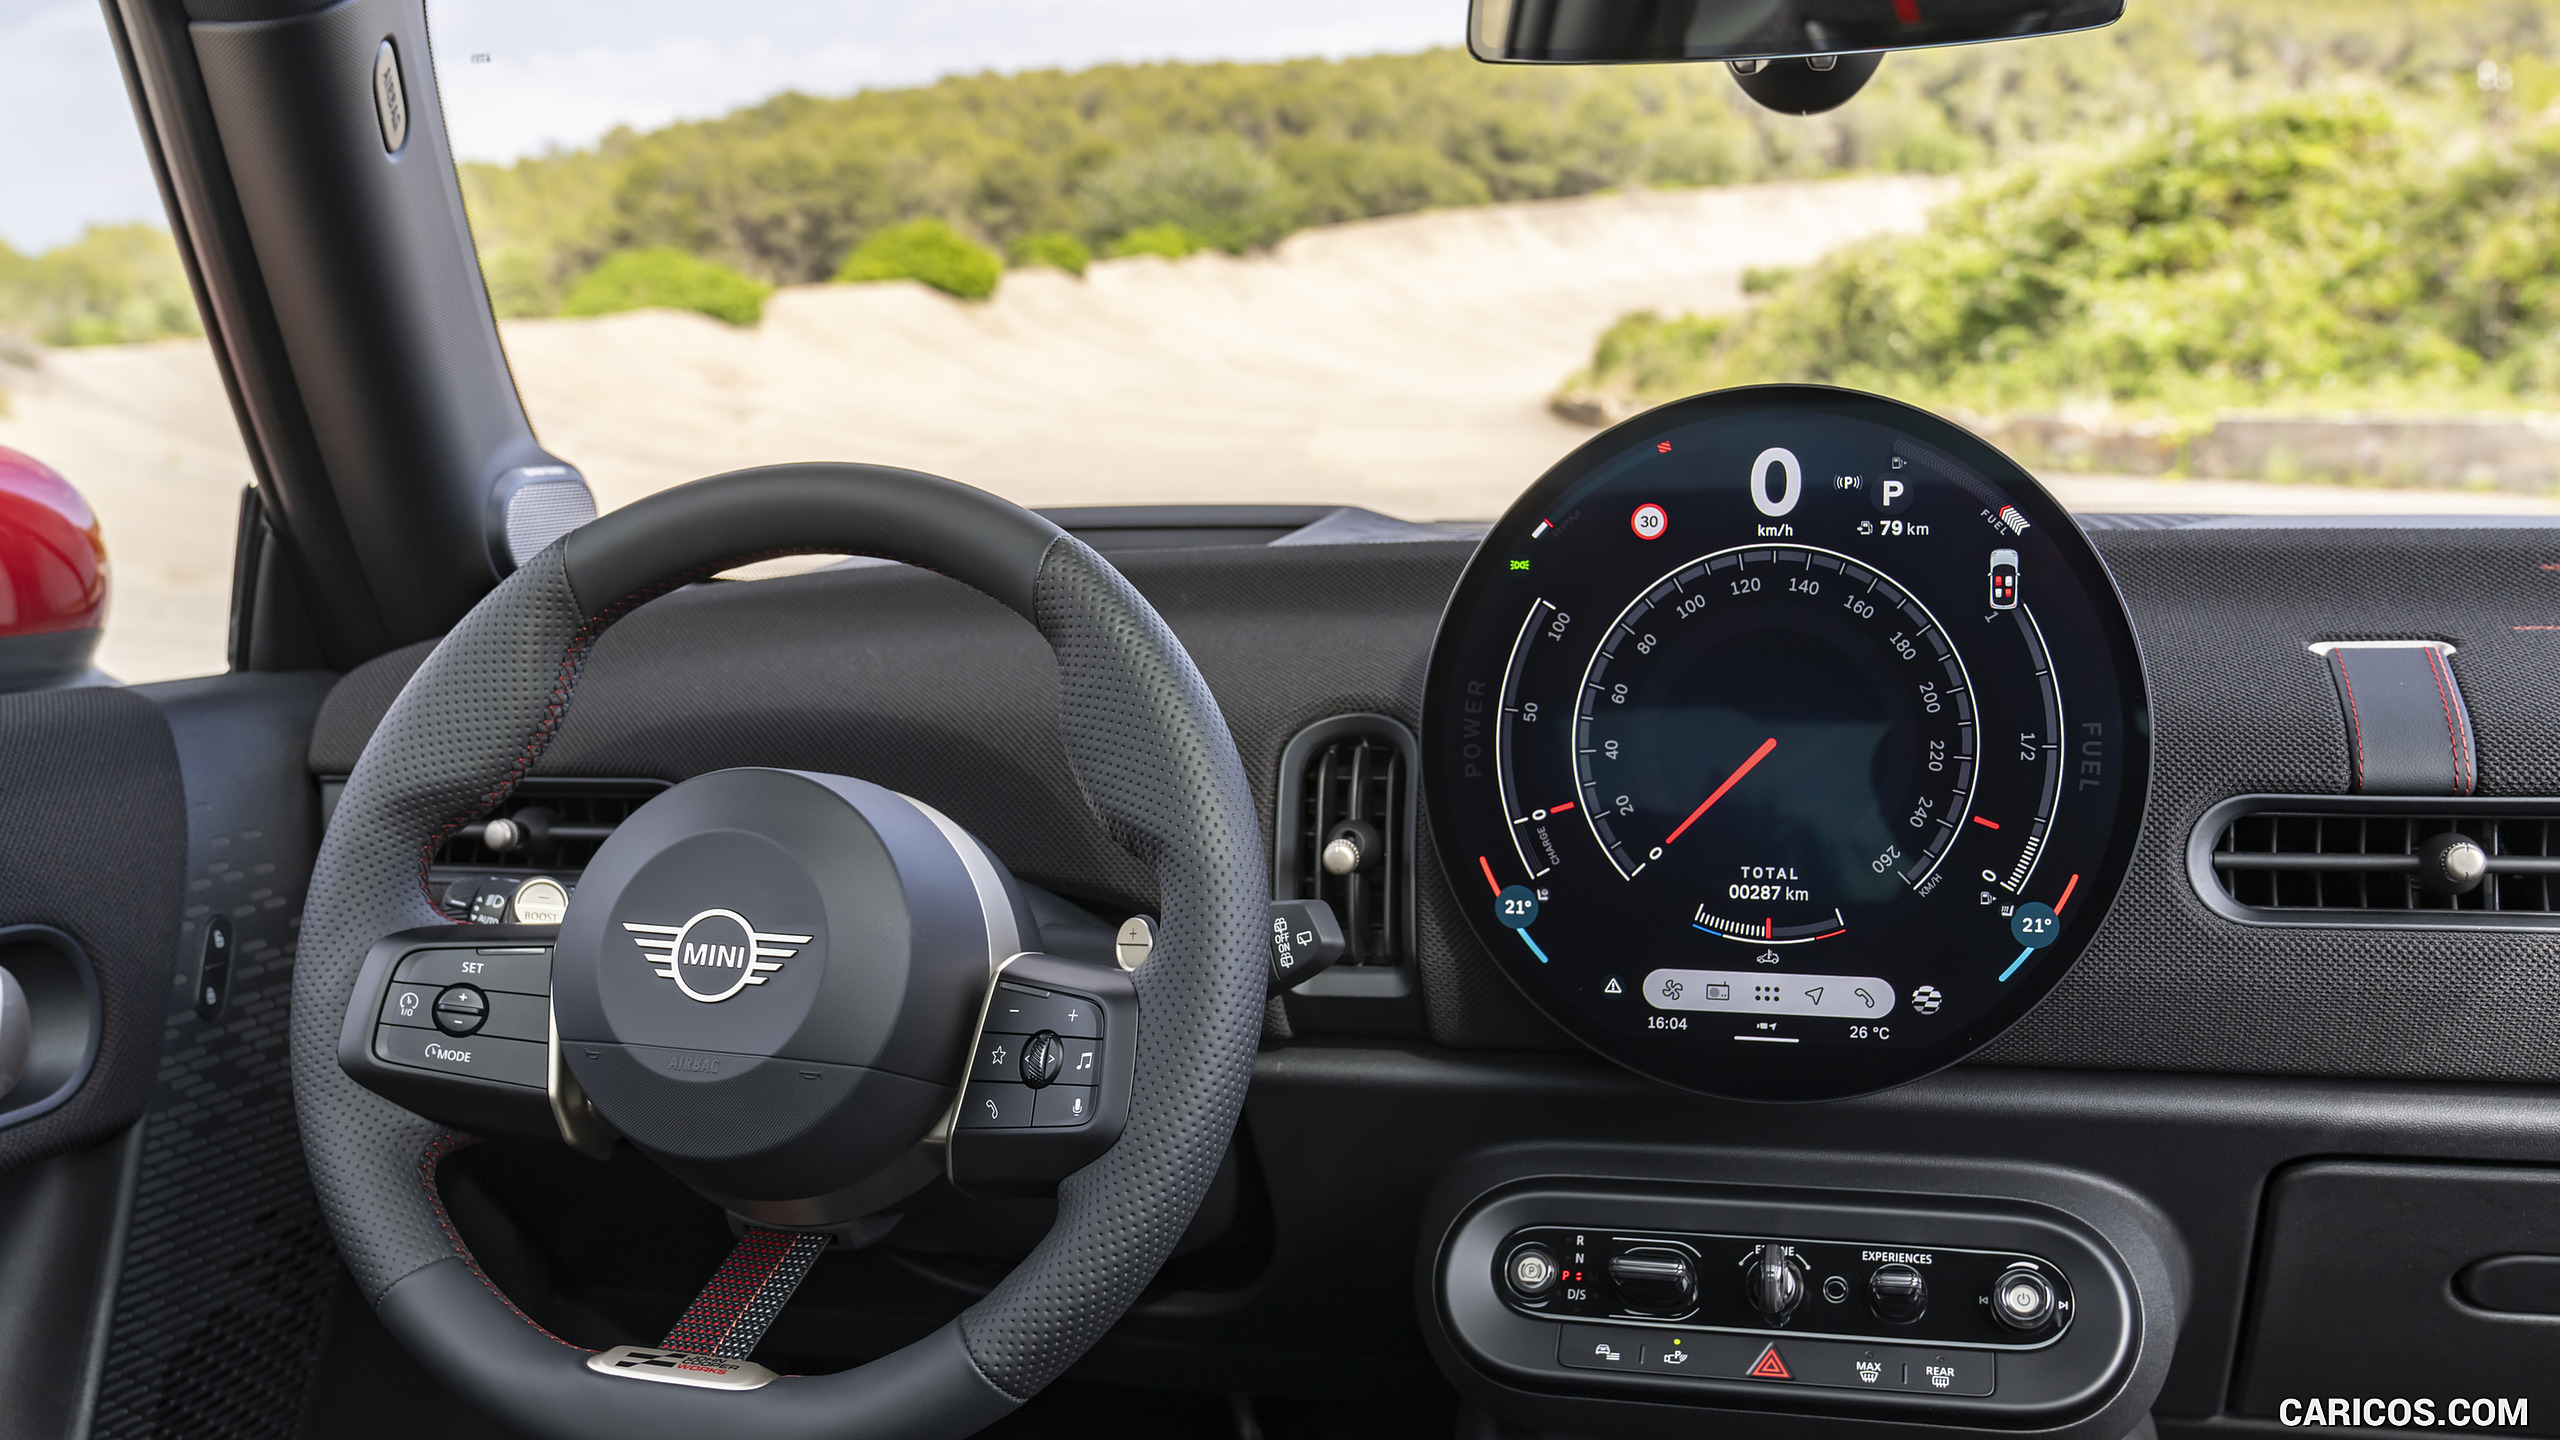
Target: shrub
(2327, 251)
(1170, 241)
(926, 250)
(1054, 248)
(115, 284)
(669, 279)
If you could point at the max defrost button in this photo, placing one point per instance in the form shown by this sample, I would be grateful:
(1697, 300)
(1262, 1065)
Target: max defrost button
(996, 1107)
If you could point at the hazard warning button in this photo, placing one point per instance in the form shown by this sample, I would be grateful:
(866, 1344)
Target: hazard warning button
(1770, 1366)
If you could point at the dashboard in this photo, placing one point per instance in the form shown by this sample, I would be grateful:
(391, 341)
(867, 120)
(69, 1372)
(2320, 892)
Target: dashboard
(1789, 743)
(2133, 1134)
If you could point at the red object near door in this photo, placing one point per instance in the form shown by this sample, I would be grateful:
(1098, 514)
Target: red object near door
(53, 576)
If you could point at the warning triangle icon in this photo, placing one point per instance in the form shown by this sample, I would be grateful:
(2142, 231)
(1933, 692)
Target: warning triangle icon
(1612, 987)
(1770, 1367)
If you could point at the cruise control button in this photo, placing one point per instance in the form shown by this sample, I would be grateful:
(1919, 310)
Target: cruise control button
(411, 1005)
(460, 1010)
(1062, 1105)
(521, 973)
(511, 1062)
(518, 1017)
(999, 1058)
(1022, 1012)
(996, 1107)
(1587, 1347)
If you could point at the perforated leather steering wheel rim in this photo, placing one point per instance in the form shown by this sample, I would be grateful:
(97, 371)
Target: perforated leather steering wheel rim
(1153, 756)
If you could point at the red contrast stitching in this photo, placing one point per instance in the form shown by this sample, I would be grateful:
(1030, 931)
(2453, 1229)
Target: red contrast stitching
(437, 1149)
(2437, 672)
(2355, 724)
(740, 1280)
(573, 660)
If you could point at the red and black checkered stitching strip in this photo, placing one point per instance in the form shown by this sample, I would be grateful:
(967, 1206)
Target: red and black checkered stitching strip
(750, 1288)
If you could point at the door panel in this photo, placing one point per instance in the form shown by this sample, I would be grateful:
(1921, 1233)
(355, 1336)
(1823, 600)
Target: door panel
(90, 802)
(228, 1269)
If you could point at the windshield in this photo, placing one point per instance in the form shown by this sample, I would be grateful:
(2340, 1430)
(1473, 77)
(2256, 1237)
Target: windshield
(2221, 256)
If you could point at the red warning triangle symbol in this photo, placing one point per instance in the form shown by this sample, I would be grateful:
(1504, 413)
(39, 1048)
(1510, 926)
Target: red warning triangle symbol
(1770, 1367)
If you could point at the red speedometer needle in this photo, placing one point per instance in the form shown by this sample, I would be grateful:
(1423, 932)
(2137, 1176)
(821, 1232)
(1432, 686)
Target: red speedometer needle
(1729, 782)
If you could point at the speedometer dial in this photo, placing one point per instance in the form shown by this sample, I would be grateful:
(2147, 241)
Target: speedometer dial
(1805, 806)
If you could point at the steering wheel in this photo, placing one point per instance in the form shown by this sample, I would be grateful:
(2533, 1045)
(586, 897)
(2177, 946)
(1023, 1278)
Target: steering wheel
(1157, 766)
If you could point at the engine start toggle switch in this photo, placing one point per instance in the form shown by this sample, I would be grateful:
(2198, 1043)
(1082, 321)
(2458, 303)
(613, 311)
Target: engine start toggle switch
(1772, 1287)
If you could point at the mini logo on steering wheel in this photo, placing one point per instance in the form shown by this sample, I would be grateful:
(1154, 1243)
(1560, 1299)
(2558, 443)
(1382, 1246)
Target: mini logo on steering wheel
(715, 954)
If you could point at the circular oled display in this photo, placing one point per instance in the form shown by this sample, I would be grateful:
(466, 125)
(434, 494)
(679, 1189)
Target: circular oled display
(1785, 743)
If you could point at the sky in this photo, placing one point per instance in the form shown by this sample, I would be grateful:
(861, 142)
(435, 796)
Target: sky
(521, 76)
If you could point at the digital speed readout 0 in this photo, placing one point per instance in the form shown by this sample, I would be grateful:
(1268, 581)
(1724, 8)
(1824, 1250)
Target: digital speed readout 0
(1785, 743)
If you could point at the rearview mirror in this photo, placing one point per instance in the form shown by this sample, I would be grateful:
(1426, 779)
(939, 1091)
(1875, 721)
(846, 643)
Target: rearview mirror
(1603, 32)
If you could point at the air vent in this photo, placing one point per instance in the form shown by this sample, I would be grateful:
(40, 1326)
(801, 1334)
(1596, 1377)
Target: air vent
(550, 827)
(1346, 833)
(2367, 860)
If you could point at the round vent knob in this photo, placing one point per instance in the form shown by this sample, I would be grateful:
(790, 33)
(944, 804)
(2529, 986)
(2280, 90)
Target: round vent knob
(2452, 864)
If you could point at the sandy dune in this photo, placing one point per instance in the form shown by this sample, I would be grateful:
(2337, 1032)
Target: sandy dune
(1402, 364)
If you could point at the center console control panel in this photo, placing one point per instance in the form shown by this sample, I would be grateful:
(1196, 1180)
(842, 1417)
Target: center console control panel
(1916, 1307)
(1847, 1289)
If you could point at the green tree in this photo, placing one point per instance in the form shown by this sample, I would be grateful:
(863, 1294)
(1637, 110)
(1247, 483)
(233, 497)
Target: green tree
(1214, 186)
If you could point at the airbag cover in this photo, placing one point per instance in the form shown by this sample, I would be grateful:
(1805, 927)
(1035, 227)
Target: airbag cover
(754, 962)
